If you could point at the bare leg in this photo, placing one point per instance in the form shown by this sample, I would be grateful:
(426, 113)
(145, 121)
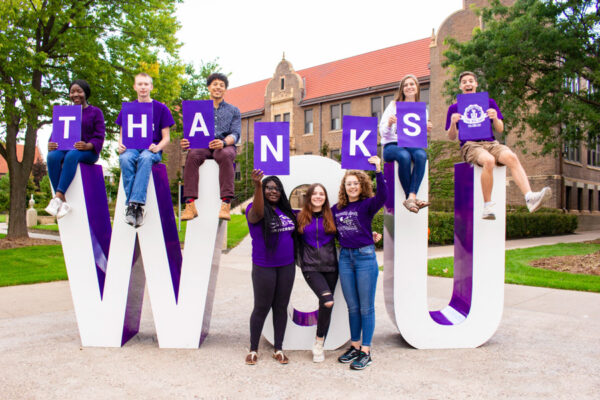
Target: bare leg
(487, 162)
(510, 159)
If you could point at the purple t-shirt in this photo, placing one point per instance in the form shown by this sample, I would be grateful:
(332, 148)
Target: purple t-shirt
(454, 109)
(284, 253)
(93, 129)
(353, 222)
(314, 233)
(161, 118)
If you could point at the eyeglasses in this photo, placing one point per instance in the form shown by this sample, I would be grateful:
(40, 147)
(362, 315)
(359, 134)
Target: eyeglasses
(271, 189)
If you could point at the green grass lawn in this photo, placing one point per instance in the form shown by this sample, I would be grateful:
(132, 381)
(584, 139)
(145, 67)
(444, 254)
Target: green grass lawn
(2, 217)
(32, 265)
(519, 272)
(50, 227)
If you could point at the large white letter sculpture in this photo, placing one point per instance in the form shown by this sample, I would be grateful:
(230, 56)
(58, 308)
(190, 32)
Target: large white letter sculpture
(301, 327)
(475, 309)
(106, 272)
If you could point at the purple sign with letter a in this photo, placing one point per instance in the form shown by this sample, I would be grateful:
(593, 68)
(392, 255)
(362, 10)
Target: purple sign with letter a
(66, 126)
(411, 126)
(359, 142)
(474, 123)
(198, 122)
(272, 147)
(137, 125)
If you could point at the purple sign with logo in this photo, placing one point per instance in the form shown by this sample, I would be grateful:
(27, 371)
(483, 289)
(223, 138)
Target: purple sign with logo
(359, 142)
(137, 125)
(198, 122)
(474, 123)
(411, 127)
(272, 147)
(66, 126)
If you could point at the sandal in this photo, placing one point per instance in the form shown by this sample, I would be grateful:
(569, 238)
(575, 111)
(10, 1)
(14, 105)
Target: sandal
(279, 356)
(411, 205)
(252, 358)
(422, 203)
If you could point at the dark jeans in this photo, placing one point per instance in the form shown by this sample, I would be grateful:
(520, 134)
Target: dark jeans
(410, 180)
(195, 158)
(62, 165)
(321, 283)
(272, 290)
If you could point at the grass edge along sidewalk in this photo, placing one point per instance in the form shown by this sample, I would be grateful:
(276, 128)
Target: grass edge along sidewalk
(37, 264)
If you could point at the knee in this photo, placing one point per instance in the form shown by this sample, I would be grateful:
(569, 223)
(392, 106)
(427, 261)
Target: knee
(420, 156)
(487, 161)
(365, 311)
(146, 157)
(403, 157)
(509, 158)
(127, 158)
(54, 157)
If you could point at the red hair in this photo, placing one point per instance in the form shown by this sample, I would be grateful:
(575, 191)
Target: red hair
(306, 214)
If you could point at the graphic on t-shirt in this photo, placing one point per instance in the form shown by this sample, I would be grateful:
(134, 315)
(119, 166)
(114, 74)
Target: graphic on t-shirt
(348, 222)
(285, 224)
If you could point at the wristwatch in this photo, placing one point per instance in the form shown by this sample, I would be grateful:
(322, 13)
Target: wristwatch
(224, 142)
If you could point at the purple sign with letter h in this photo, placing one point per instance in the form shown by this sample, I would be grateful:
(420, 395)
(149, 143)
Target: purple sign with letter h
(474, 123)
(411, 126)
(137, 125)
(359, 142)
(66, 126)
(272, 147)
(198, 122)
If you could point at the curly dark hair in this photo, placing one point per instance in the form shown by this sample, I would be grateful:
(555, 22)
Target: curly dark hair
(366, 187)
(219, 76)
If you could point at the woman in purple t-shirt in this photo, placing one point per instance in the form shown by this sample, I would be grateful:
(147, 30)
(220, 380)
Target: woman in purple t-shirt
(353, 215)
(318, 258)
(62, 164)
(272, 226)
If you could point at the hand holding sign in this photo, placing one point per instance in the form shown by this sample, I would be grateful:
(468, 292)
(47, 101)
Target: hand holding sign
(198, 123)
(272, 147)
(359, 142)
(66, 127)
(411, 127)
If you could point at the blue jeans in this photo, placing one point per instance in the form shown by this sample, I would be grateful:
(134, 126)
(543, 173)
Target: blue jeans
(410, 181)
(62, 165)
(136, 166)
(358, 276)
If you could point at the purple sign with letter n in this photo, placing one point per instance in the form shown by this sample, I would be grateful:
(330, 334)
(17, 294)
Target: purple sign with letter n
(411, 126)
(137, 125)
(198, 122)
(66, 126)
(474, 123)
(272, 147)
(359, 142)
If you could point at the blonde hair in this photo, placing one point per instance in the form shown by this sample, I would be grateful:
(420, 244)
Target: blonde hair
(366, 187)
(400, 95)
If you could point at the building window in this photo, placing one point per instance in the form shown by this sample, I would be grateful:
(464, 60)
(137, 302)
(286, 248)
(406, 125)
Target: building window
(345, 110)
(593, 154)
(568, 197)
(278, 118)
(286, 117)
(590, 200)
(307, 153)
(308, 121)
(387, 100)
(238, 171)
(571, 152)
(376, 110)
(580, 199)
(336, 121)
(336, 155)
(257, 120)
(282, 83)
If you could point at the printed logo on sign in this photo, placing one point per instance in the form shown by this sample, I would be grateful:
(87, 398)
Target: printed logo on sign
(474, 115)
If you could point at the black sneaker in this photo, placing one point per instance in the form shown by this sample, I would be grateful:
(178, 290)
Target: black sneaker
(350, 355)
(361, 361)
(140, 213)
(130, 214)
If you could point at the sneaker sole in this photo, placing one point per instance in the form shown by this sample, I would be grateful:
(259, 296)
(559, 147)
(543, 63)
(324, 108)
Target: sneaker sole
(360, 368)
(347, 361)
(547, 193)
(489, 217)
(318, 359)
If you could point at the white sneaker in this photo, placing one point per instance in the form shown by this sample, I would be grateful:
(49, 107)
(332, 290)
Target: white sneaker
(317, 350)
(488, 211)
(534, 202)
(54, 206)
(64, 209)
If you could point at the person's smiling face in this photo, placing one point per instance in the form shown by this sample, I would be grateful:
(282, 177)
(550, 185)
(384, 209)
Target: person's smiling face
(352, 186)
(272, 193)
(77, 95)
(217, 89)
(317, 199)
(468, 84)
(409, 88)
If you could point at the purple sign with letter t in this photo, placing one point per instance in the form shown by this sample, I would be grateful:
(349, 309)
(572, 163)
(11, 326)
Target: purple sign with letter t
(474, 123)
(359, 142)
(137, 125)
(198, 122)
(66, 126)
(411, 127)
(272, 147)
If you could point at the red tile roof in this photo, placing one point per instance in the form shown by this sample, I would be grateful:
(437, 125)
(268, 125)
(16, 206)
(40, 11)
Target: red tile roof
(4, 165)
(371, 69)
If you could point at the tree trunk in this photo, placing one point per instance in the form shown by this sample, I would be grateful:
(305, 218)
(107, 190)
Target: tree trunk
(17, 223)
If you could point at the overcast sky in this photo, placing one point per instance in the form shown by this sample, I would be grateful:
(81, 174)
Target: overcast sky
(249, 37)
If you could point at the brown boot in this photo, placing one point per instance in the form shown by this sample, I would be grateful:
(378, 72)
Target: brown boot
(224, 213)
(190, 211)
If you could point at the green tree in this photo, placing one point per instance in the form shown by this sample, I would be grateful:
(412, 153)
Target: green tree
(540, 60)
(244, 188)
(46, 44)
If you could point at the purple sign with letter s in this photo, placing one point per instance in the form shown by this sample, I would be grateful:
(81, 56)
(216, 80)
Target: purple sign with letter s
(359, 142)
(272, 147)
(137, 125)
(474, 123)
(66, 126)
(198, 122)
(411, 126)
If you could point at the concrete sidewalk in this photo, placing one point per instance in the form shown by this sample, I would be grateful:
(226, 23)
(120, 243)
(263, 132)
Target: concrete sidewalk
(547, 347)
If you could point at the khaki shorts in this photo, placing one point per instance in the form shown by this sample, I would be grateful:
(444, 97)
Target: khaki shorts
(471, 150)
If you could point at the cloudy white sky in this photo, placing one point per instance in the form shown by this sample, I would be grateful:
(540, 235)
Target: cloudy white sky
(249, 37)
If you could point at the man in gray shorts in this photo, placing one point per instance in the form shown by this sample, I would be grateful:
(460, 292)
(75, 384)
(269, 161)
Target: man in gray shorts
(489, 152)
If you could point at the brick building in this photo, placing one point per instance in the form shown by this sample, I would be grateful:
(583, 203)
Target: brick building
(314, 100)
